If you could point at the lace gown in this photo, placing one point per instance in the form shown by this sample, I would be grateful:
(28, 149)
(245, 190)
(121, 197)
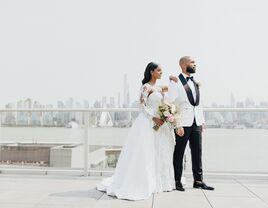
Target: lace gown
(145, 165)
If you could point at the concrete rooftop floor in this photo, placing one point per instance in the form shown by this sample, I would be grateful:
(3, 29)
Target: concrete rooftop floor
(48, 191)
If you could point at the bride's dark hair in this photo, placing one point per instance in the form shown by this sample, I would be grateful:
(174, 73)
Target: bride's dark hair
(147, 73)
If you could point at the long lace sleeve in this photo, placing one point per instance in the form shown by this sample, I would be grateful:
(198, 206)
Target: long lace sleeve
(172, 98)
(144, 93)
(178, 116)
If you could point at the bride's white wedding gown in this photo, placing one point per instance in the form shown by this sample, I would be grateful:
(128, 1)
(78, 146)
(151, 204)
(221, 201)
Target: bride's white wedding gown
(145, 165)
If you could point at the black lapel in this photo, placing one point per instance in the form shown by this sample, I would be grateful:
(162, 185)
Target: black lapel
(187, 89)
(197, 93)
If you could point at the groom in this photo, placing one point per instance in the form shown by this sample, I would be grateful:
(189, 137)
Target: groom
(186, 94)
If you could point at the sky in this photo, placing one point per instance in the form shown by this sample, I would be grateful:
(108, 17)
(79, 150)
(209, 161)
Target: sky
(56, 49)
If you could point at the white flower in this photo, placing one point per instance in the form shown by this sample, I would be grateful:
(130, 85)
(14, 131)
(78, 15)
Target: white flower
(166, 113)
(173, 108)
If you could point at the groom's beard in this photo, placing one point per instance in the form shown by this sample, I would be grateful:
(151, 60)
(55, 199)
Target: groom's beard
(190, 70)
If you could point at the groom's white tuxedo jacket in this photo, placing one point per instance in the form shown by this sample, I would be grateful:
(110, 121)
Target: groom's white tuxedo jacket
(178, 96)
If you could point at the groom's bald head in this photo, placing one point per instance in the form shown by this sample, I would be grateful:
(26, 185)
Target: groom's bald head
(187, 65)
(184, 60)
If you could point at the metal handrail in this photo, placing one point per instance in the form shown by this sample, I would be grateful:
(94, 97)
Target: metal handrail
(207, 109)
(86, 112)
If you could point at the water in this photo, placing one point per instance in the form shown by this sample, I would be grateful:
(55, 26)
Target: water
(98, 136)
(235, 150)
(238, 150)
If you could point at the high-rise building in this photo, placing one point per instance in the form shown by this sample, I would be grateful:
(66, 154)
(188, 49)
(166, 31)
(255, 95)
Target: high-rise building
(118, 100)
(22, 117)
(249, 103)
(112, 102)
(28, 103)
(126, 92)
(10, 117)
(48, 116)
(61, 117)
(70, 104)
(97, 104)
(104, 102)
(36, 116)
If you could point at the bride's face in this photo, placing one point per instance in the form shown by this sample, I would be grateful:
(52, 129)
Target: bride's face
(157, 73)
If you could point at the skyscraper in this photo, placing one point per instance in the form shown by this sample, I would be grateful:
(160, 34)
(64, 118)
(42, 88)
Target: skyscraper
(70, 104)
(118, 100)
(62, 117)
(104, 102)
(126, 92)
(112, 102)
(36, 116)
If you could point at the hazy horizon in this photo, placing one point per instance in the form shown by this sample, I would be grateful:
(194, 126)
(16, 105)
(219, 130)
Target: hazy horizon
(55, 49)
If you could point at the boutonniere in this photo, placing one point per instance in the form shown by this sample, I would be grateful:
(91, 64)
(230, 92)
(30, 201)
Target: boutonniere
(198, 84)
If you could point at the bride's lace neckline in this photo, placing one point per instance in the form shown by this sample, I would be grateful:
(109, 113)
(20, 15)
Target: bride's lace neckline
(153, 87)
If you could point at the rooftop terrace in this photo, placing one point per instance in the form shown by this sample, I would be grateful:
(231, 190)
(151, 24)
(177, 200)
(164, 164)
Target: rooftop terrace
(234, 159)
(25, 191)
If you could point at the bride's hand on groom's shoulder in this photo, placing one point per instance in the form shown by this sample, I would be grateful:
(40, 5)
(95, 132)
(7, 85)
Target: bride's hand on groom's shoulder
(164, 88)
(173, 78)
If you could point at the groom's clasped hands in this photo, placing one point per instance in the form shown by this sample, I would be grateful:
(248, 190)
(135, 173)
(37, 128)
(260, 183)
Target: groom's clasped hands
(180, 131)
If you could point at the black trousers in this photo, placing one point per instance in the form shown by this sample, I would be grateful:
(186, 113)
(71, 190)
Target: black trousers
(194, 135)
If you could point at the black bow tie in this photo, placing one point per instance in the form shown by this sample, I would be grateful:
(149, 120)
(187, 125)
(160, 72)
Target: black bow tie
(191, 78)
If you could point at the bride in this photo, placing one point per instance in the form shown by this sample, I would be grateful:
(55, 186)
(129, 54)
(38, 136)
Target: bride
(145, 165)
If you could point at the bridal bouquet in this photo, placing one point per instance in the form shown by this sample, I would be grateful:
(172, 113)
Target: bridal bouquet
(169, 113)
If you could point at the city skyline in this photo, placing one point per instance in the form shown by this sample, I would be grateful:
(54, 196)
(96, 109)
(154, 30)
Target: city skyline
(122, 99)
(124, 119)
(110, 102)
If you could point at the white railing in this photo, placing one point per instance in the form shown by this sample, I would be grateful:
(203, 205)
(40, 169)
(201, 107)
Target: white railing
(86, 112)
(121, 110)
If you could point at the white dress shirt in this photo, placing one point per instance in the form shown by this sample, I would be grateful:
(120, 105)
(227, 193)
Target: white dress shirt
(191, 85)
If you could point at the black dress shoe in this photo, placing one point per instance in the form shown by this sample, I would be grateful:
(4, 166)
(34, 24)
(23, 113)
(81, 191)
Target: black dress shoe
(179, 187)
(203, 186)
